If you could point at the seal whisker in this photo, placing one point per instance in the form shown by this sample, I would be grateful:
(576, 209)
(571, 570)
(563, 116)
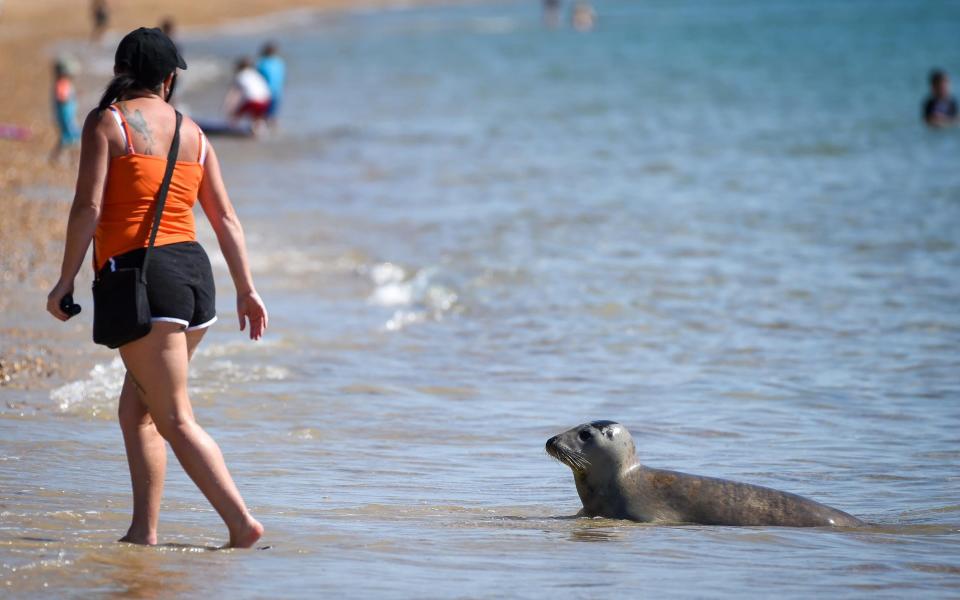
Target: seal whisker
(571, 458)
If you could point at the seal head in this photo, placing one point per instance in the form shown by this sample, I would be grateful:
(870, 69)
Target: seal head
(598, 453)
(596, 446)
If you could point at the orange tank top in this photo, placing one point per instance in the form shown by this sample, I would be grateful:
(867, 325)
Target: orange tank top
(133, 181)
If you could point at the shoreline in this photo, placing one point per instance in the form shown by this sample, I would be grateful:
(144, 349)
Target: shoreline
(37, 352)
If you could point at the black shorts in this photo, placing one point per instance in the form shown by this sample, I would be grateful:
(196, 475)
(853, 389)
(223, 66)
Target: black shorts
(180, 284)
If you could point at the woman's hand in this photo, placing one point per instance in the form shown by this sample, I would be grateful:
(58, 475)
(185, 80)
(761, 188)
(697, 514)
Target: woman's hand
(250, 308)
(55, 296)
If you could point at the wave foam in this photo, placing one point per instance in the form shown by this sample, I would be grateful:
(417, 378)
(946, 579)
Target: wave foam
(423, 297)
(95, 394)
(98, 393)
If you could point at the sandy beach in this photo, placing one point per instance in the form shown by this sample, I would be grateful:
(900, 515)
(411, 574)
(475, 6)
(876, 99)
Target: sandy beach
(34, 193)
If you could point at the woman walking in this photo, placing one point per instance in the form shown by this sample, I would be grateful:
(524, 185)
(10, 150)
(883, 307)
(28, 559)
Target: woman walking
(123, 159)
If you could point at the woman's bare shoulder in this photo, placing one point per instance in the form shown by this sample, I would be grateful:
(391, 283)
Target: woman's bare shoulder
(190, 125)
(99, 123)
(96, 118)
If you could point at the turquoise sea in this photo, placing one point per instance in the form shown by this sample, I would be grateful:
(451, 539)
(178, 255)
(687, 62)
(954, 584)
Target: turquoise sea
(718, 222)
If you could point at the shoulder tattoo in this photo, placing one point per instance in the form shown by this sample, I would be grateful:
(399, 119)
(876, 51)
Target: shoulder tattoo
(139, 124)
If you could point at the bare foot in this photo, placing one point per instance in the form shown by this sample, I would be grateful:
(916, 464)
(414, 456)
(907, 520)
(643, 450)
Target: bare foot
(144, 539)
(247, 536)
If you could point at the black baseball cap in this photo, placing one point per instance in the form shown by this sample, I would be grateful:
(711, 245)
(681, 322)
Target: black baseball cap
(148, 55)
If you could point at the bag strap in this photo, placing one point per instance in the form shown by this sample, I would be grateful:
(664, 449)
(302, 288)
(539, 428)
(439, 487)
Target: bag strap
(162, 194)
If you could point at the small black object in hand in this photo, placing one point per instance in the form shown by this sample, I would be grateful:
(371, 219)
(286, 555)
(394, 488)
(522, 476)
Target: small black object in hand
(67, 305)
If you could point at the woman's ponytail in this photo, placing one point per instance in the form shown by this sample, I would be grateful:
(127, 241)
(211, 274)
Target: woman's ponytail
(116, 89)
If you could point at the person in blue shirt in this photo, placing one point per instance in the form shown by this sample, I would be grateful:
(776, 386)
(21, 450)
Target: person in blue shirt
(64, 109)
(274, 70)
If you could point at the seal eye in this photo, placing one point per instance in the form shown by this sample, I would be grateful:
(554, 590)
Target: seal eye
(585, 435)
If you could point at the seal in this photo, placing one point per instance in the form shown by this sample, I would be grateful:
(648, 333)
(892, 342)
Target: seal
(612, 483)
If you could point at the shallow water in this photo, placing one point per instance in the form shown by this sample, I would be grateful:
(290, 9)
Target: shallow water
(719, 223)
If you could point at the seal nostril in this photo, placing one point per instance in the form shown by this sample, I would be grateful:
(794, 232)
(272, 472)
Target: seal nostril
(551, 441)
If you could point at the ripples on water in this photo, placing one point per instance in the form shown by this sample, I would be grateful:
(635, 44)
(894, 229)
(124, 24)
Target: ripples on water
(718, 223)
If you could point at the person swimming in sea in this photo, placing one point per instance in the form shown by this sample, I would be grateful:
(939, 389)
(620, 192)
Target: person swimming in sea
(584, 17)
(551, 13)
(940, 108)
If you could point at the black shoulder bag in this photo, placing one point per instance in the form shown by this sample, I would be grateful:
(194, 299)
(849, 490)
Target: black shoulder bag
(121, 310)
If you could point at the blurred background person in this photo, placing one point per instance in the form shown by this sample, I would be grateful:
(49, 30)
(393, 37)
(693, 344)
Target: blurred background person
(273, 69)
(169, 28)
(100, 12)
(551, 13)
(584, 17)
(940, 108)
(64, 108)
(249, 96)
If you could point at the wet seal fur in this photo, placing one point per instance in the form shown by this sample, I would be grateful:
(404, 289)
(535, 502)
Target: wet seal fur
(612, 483)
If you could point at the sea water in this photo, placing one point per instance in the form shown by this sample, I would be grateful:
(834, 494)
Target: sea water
(720, 223)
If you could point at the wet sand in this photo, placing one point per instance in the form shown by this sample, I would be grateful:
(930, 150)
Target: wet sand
(34, 193)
